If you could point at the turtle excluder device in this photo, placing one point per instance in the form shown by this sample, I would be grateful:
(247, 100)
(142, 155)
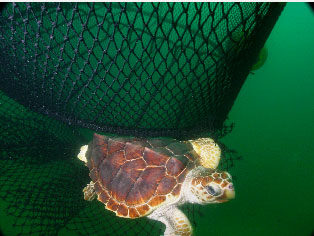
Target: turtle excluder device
(124, 69)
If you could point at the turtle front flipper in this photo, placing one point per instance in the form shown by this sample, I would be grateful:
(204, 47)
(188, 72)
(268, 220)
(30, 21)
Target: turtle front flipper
(89, 192)
(177, 224)
(208, 151)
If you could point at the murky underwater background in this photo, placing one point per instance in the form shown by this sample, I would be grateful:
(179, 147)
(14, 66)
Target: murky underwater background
(274, 133)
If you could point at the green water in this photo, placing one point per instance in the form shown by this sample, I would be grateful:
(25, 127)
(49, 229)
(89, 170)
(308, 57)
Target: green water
(274, 132)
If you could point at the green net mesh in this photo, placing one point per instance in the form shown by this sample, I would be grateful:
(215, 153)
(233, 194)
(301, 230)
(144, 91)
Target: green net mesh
(145, 69)
(132, 68)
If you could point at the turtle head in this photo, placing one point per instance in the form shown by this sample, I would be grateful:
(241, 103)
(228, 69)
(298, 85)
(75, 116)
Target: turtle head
(214, 187)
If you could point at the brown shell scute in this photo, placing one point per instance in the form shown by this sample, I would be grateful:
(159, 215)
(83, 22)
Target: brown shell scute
(133, 151)
(103, 197)
(98, 153)
(174, 167)
(143, 209)
(166, 185)
(114, 146)
(153, 158)
(176, 190)
(100, 140)
(133, 213)
(123, 210)
(121, 186)
(133, 169)
(157, 200)
(134, 176)
(112, 205)
(93, 175)
(145, 186)
(182, 176)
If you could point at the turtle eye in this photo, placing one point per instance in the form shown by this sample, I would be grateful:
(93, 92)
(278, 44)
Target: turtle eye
(213, 190)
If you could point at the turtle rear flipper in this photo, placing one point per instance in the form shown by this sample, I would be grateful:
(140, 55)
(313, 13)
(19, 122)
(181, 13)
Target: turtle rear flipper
(89, 192)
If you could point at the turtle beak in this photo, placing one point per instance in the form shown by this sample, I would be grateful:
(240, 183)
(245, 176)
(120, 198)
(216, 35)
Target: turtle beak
(228, 194)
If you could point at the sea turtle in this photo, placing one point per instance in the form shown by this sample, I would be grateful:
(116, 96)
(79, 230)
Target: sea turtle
(151, 177)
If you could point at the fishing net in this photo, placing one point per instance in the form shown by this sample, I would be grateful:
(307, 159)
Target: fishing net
(145, 69)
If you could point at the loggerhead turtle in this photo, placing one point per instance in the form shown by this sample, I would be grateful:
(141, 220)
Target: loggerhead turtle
(151, 177)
